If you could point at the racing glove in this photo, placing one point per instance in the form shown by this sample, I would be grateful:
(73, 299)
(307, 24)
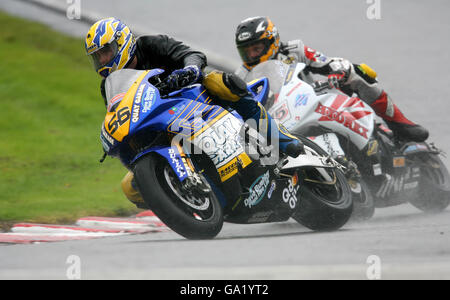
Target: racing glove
(340, 73)
(184, 77)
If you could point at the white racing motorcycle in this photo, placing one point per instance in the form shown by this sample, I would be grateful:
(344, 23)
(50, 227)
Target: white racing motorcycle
(381, 170)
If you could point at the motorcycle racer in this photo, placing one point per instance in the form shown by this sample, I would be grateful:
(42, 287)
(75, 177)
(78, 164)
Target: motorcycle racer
(257, 40)
(111, 46)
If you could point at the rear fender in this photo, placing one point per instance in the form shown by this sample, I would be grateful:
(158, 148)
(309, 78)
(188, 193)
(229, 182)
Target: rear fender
(414, 148)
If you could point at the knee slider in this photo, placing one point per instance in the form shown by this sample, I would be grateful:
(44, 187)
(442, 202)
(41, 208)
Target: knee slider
(130, 190)
(226, 86)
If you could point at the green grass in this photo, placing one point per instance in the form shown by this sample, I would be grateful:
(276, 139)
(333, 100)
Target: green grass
(50, 118)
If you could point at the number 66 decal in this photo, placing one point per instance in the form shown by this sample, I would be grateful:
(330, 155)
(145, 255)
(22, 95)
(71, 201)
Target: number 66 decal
(120, 118)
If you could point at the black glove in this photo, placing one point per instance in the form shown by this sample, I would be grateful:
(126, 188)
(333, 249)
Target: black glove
(341, 70)
(184, 77)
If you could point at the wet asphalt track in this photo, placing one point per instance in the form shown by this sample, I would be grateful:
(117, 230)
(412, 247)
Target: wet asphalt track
(408, 46)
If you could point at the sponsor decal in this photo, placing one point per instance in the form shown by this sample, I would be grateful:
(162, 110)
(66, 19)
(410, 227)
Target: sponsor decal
(228, 170)
(115, 100)
(176, 162)
(244, 36)
(343, 117)
(301, 100)
(290, 193)
(107, 137)
(416, 147)
(372, 148)
(137, 104)
(395, 184)
(148, 99)
(399, 162)
(221, 142)
(172, 110)
(273, 186)
(258, 190)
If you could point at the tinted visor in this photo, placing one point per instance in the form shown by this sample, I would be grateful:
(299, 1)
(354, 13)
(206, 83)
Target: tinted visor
(252, 52)
(104, 56)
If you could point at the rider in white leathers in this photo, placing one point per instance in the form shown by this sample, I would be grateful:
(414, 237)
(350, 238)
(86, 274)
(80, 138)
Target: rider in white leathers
(257, 40)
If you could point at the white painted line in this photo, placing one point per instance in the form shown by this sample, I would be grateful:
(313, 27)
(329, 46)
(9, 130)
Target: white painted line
(57, 229)
(119, 223)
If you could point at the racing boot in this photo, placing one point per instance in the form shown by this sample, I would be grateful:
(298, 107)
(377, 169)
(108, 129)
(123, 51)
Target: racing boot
(231, 91)
(397, 122)
(249, 109)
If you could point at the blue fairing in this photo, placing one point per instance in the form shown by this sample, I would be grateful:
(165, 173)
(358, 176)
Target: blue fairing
(182, 112)
(260, 90)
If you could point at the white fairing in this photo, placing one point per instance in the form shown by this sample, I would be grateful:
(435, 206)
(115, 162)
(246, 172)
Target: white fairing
(330, 143)
(301, 110)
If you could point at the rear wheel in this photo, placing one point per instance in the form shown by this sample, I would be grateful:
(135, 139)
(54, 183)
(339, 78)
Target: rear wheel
(325, 197)
(191, 214)
(363, 203)
(434, 185)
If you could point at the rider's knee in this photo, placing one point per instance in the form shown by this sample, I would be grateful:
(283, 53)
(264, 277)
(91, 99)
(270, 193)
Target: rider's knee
(366, 73)
(131, 192)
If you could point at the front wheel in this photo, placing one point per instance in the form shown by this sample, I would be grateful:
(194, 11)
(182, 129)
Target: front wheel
(434, 185)
(325, 198)
(325, 207)
(190, 214)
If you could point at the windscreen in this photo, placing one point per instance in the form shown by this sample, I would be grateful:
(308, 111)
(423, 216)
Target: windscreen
(119, 82)
(274, 70)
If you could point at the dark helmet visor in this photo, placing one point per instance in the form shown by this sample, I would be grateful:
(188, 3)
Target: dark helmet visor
(105, 55)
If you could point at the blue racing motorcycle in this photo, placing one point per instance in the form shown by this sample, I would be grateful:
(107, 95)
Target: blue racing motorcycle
(197, 164)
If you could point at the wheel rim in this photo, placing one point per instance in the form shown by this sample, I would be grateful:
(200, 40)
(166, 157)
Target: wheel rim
(321, 186)
(199, 207)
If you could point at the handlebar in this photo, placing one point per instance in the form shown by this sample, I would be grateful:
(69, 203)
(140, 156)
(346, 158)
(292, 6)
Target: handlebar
(319, 86)
(165, 87)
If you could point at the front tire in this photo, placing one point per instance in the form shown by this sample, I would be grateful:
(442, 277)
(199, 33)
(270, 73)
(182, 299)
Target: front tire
(324, 206)
(192, 216)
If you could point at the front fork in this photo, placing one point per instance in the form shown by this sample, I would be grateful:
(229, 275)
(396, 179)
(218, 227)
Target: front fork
(193, 181)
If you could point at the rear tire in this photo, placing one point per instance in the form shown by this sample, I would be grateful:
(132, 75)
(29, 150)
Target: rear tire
(363, 203)
(194, 217)
(434, 185)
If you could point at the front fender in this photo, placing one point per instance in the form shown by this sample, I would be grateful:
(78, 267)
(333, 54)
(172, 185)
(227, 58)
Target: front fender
(173, 157)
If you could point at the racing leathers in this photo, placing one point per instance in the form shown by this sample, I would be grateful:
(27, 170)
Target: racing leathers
(350, 78)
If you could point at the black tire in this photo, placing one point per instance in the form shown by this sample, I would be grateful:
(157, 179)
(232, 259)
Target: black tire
(325, 210)
(363, 203)
(324, 207)
(153, 176)
(434, 185)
